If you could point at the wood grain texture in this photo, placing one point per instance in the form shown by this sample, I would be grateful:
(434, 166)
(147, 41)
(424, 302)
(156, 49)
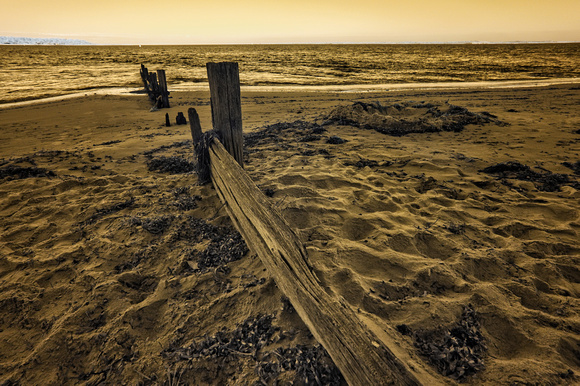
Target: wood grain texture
(361, 357)
(226, 106)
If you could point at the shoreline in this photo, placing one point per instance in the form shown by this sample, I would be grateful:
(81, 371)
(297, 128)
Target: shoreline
(355, 88)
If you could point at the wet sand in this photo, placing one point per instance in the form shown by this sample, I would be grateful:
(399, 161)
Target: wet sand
(112, 271)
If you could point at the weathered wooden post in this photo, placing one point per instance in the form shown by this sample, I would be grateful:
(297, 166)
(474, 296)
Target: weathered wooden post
(163, 88)
(145, 78)
(226, 106)
(154, 86)
(194, 124)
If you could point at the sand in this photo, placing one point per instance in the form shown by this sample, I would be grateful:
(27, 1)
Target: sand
(111, 272)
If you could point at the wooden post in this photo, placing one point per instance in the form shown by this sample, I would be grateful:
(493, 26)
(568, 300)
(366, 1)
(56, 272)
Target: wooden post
(226, 106)
(145, 77)
(194, 124)
(163, 88)
(154, 86)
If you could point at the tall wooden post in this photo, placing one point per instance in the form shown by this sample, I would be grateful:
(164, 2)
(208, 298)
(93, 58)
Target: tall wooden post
(226, 106)
(163, 88)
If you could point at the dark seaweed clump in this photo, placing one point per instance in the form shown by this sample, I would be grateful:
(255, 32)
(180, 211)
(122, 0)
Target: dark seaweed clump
(547, 181)
(194, 230)
(279, 132)
(226, 244)
(336, 140)
(362, 163)
(154, 225)
(21, 172)
(248, 337)
(223, 249)
(107, 143)
(457, 352)
(311, 365)
(575, 166)
(185, 201)
(172, 165)
(310, 138)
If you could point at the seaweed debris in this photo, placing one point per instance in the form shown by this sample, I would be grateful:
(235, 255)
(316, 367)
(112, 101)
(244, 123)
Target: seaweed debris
(154, 225)
(107, 143)
(20, 172)
(575, 166)
(311, 365)
(307, 131)
(406, 118)
(248, 338)
(223, 249)
(312, 152)
(457, 352)
(226, 244)
(172, 165)
(547, 182)
(426, 184)
(336, 140)
(183, 200)
(362, 163)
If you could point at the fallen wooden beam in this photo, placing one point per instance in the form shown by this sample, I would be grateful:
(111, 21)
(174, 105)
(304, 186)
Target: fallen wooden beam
(361, 357)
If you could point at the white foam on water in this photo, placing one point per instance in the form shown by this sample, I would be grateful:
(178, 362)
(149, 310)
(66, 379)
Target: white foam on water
(186, 86)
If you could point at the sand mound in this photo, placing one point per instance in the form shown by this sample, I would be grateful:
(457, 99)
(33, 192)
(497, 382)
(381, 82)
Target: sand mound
(405, 118)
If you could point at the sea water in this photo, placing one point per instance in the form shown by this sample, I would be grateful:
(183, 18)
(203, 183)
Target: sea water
(33, 72)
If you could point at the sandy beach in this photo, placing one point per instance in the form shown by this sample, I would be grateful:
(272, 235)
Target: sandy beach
(448, 219)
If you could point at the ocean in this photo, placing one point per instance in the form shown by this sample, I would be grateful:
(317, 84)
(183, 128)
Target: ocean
(34, 72)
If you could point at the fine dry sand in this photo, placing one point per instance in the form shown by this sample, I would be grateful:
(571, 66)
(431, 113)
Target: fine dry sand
(113, 271)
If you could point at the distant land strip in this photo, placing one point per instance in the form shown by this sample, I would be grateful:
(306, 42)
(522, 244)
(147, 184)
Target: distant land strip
(42, 41)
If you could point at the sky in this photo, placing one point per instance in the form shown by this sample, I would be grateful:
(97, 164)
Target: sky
(291, 21)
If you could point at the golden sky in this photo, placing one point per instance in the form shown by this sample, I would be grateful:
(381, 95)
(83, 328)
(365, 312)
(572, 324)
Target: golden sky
(291, 21)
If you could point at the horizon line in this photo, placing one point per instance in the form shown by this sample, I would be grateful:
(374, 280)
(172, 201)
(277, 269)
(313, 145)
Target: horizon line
(81, 41)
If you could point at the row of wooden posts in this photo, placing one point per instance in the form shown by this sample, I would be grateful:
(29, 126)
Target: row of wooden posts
(156, 87)
(361, 356)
